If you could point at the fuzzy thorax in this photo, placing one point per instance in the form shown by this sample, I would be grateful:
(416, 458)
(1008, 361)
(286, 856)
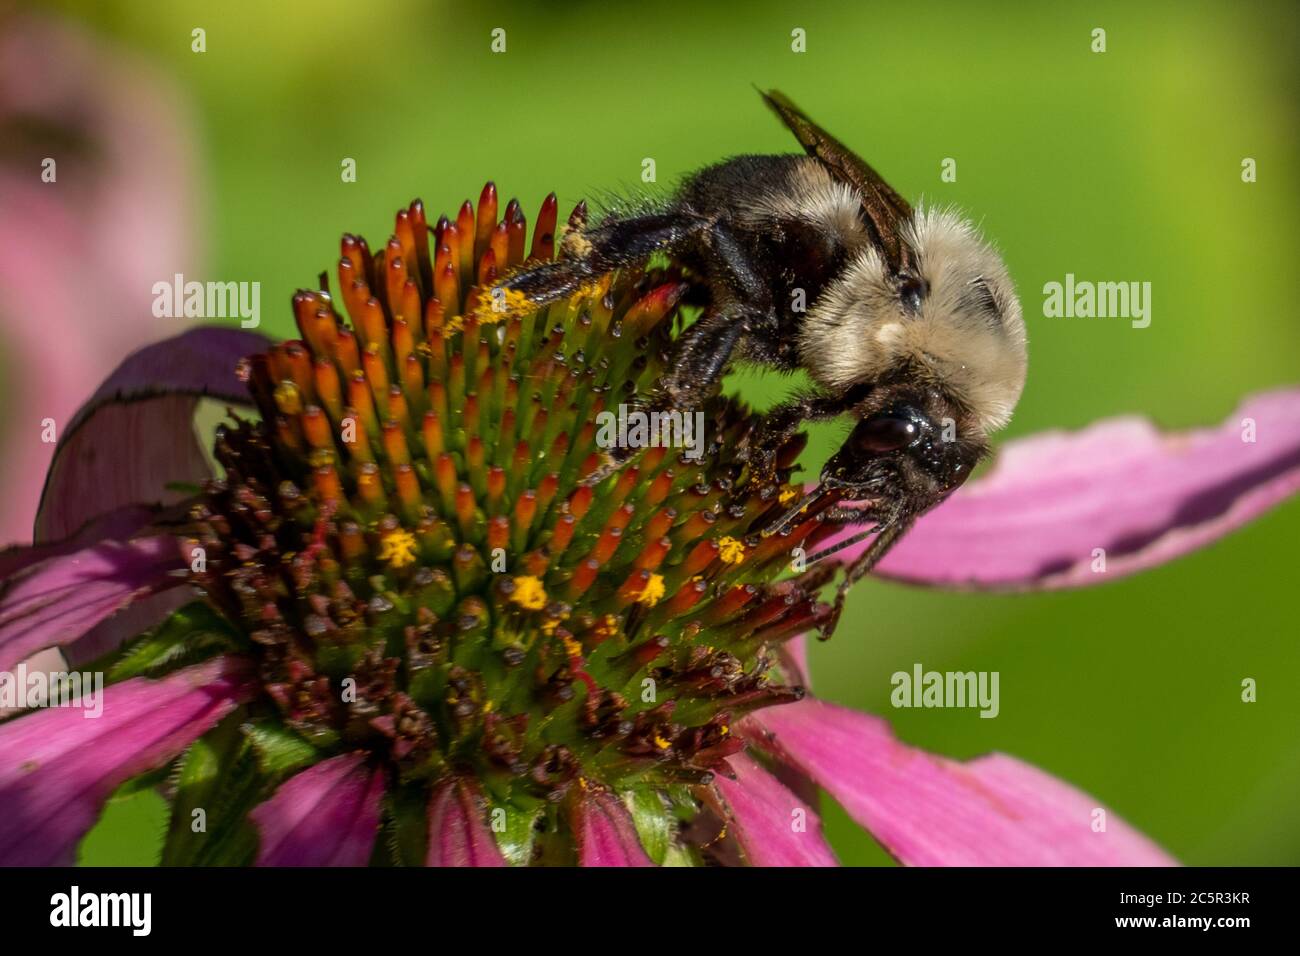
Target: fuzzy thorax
(967, 340)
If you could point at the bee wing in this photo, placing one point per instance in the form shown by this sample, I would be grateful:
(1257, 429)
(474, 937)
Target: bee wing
(886, 211)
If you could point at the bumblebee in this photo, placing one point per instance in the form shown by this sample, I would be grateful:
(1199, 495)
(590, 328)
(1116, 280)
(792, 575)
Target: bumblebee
(904, 319)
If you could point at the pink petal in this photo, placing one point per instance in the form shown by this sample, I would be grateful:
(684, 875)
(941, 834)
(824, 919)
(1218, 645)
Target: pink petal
(136, 434)
(117, 525)
(458, 835)
(794, 653)
(142, 614)
(57, 766)
(1119, 485)
(774, 827)
(328, 815)
(78, 256)
(58, 600)
(605, 833)
(931, 811)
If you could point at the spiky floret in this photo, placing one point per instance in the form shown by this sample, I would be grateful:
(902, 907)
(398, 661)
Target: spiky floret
(407, 546)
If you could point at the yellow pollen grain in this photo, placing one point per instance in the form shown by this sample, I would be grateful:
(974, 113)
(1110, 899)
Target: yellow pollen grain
(788, 494)
(529, 593)
(652, 592)
(730, 550)
(574, 243)
(589, 290)
(320, 456)
(549, 624)
(661, 743)
(397, 548)
(501, 304)
(287, 399)
(607, 627)
(572, 647)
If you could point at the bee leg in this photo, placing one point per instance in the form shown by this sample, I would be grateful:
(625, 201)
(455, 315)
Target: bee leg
(741, 307)
(699, 357)
(779, 425)
(702, 351)
(549, 281)
(602, 249)
(839, 515)
(888, 537)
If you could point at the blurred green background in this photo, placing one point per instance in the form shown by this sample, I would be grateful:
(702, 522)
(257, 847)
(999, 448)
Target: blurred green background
(1117, 166)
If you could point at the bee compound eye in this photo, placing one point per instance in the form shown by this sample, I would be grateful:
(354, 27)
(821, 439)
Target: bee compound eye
(880, 434)
(911, 291)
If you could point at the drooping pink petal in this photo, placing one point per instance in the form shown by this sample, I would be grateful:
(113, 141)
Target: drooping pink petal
(117, 525)
(774, 827)
(59, 600)
(58, 766)
(136, 434)
(142, 614)
(931, 811)
(1141, 497)
(79, 255)
(793, 655)
(458, 834)
(604, 832)
(327, 815)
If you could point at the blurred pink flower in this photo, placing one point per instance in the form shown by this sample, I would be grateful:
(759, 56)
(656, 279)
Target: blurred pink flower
(122, 208)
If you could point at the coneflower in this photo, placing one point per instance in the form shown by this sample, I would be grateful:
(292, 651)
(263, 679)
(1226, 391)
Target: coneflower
(425, 584)
(415, 634)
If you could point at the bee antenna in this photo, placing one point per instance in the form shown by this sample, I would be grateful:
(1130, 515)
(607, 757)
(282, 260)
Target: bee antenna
(846, 543)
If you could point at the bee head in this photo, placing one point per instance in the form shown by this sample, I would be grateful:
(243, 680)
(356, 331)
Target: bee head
(946, 321)
(905, 454)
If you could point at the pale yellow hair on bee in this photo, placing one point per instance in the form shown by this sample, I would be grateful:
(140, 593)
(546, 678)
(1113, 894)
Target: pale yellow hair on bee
(858, 330)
